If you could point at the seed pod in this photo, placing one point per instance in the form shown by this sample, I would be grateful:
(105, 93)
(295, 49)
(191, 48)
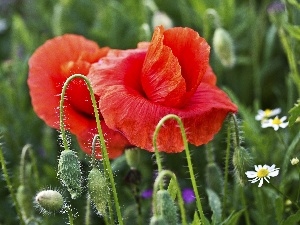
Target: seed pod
(132, 157)
(223, 47)
(49, 200)
(69, 172)
(98, 190)
(166, 207)
(241, 160)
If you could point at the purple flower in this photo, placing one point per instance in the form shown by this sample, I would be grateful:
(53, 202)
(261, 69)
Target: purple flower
(188, 195)
(276, 7)
(147, 193)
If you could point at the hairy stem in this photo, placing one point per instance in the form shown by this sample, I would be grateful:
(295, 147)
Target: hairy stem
(104, 153)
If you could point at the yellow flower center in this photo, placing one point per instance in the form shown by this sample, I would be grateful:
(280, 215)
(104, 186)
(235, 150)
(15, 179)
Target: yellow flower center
(262, 173)
(267, 112)
(276, 121)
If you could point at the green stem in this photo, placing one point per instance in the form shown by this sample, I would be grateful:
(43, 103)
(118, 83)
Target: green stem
(87, 218)
(10, 186)
(244, 203)
(283, 195)
(105, 157)
(157, 183)
(188, 157)
(227, 156)
(236, 138)
(93, 150)
(70, 215)
(22, 164)
(298, 193)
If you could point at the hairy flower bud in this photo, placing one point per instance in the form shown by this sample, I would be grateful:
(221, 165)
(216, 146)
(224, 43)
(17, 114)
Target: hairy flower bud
(98, 190)
(132, 157)
(223, 47)
(49, 200)
(241, 160)
(69, 172)
(166, 207)
(158, 220)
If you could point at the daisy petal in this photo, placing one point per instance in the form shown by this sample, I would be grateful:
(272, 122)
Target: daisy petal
(251, 174)
(261, 182)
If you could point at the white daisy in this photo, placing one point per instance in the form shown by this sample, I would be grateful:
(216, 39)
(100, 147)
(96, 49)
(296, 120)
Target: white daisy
(264, 114)
(262, 173)
(275, 123)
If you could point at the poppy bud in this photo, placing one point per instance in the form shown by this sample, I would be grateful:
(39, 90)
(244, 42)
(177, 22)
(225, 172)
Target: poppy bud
(98, 190)
(132, 157)
(223, 47)
(69, 172)
(166, 206)
(49, 200)
(158, 220)
(144, 32)
(241, 159)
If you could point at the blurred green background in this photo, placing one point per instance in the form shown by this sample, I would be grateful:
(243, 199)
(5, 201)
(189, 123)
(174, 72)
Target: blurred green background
(259, 79)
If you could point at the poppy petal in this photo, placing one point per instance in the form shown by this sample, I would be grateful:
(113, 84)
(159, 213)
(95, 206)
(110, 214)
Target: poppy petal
(50, 66)
(137, 117)
(114, 140)
(192, 52)
(161, 75)
(112, 70)
(209, 77)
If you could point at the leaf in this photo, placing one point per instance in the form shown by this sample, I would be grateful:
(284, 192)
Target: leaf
(215, 205)
(294, 3)
(294, 113)
(293, 30)
(293, 219)
(233, 218)
(197, 221)
(172, 189)
(279, 208)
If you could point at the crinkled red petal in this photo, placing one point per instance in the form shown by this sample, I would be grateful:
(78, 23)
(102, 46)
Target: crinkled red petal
(118, 68)
(209, 77)
(192, 52)
(161, 76)
(137, 117)
(114, 140)
(49, 67)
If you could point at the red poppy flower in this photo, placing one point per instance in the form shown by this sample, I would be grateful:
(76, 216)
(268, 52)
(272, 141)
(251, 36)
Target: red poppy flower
(49, 67)
(138, 87)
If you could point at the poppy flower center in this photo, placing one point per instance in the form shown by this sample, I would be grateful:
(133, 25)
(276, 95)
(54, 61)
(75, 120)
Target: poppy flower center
(262, 173)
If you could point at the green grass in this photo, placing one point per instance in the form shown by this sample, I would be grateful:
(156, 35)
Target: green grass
(265, 76)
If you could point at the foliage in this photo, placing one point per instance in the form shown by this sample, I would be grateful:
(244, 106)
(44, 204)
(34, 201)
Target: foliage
(265, 76)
